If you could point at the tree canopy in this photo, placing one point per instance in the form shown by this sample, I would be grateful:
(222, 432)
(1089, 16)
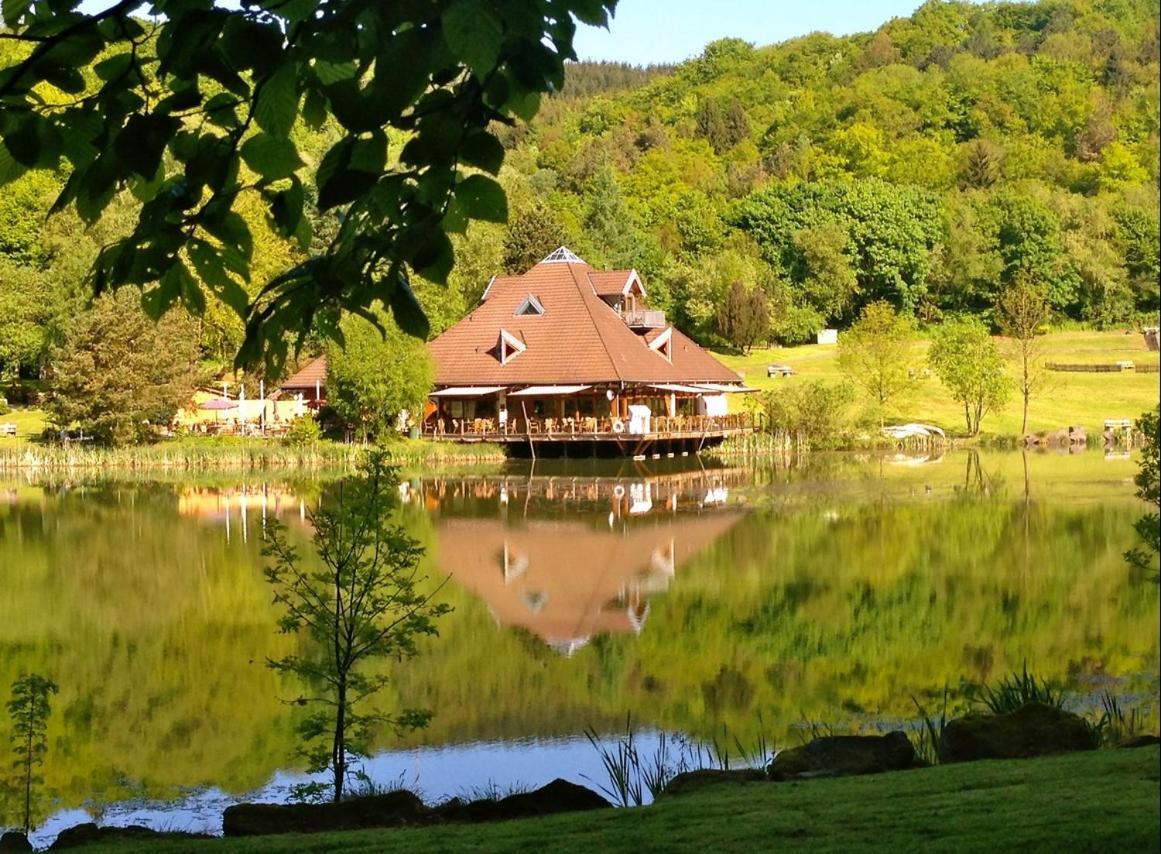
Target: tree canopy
(930, 164)
(198, 108)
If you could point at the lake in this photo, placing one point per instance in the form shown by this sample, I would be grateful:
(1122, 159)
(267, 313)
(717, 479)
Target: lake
(725, 602)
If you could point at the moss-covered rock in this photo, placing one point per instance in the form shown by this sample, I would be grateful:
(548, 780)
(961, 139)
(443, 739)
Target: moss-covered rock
(1035, 729)
(841, 755)
(695, 781)
(387, 810)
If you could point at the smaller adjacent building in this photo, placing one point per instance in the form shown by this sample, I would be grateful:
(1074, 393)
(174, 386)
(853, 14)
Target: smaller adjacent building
(310, 382)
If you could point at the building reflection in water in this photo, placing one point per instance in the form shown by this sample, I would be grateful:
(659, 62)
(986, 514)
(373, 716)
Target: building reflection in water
(563, 557)
(238, 508)
(569, 558)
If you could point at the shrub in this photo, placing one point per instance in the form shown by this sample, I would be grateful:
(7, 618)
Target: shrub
(812, 414)
(303, 432)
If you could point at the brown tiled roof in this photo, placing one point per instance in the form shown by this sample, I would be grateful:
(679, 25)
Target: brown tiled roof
(314, 371)
(578, 339)
(609, 283)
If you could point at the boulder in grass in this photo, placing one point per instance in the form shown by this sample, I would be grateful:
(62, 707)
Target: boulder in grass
(392, 809)
(1132, 741)
(1034, 729)
(14, 840)
(695, 781)
(89, 833)
(556, 797)
(843, 755)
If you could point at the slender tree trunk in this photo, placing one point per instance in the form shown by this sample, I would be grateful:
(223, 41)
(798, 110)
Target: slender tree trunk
(339, 746)
(28, 783)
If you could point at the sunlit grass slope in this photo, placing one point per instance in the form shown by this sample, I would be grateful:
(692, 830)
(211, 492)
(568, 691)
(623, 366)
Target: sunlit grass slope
(1067, 398)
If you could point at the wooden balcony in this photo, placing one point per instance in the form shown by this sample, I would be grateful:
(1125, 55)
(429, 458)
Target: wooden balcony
(690, 432)
(640, 318)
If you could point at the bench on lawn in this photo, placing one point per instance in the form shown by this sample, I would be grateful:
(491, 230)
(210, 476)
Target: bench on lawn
(779, 371)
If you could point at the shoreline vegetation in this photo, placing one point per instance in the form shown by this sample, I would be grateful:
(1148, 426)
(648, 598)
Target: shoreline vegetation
(1103, 799)
(237, 454)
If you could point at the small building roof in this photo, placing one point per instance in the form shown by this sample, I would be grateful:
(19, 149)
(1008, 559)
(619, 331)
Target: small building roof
(315, 371)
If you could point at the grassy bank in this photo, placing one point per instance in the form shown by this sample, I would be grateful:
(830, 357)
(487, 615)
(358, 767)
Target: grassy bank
(1104, 800)
(1085, 399)
(229, 453)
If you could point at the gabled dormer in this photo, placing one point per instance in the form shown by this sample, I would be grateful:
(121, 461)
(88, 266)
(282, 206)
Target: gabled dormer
(509, 347)
(662, 344)
(530, 307)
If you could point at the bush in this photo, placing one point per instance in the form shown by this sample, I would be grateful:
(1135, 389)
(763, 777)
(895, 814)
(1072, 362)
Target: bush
(811, 414)
(303, 432)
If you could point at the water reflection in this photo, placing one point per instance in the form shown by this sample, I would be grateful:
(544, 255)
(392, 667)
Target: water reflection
(694, 597)
(588, 572)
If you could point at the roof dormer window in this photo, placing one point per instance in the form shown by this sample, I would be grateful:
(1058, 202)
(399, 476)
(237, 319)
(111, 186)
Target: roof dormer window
(663, 344)
(509, 346)
(530, 307)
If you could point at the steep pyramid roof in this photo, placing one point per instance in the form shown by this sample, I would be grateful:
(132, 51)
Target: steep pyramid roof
(577, 338)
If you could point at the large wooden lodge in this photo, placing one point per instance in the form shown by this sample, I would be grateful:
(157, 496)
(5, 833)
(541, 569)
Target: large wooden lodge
(569, 360)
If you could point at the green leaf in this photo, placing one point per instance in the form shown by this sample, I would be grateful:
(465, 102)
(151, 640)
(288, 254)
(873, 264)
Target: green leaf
(314, 109)
(113, 67)
(207, 263)
(474, 34)
(10, 169)
(270, 156)
(350, 168)
(170, 288)
(405, 308)
(524, 104)
(277, 105)
(14, 10)
(482, 150)
(286, 208)
(142, 142)
(231, 229)
(435, 257)
(482, 198)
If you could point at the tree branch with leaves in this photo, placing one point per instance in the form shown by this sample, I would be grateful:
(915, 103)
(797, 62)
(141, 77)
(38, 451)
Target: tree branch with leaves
(194, 109)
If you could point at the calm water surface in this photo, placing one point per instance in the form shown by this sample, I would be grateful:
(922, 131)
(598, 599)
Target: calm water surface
(720, 602)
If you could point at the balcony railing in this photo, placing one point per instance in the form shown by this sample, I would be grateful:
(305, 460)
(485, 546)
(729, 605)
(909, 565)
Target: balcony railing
(641, 318)
(518, 429)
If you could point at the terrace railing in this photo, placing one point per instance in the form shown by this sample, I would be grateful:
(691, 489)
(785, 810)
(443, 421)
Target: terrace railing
(565, 429)
(644, 318)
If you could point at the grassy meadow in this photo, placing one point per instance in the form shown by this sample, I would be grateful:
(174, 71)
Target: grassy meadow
(1098, 801)
(1066, 398)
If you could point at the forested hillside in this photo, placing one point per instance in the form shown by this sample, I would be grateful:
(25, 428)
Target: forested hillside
(930, 163)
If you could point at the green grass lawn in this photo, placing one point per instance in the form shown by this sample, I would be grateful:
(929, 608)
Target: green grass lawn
(1100, 801)
(29, 424)
(1067, 398)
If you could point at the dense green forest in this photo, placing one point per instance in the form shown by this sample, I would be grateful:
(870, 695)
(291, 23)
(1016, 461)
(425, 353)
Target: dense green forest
(930, 163)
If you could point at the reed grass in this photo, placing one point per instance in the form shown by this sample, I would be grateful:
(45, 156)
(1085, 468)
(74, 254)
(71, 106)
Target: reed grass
(926, 738)
(235, 454)
(634, 778)
(1016, 691)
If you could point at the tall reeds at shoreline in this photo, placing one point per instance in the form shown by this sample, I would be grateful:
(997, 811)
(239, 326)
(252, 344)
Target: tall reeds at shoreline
(243, 454)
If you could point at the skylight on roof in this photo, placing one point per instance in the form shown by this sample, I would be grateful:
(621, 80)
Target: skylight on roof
(562, 255)
(530, 306)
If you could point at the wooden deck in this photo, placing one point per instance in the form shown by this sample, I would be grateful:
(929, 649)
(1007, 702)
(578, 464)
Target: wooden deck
(591, 436)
